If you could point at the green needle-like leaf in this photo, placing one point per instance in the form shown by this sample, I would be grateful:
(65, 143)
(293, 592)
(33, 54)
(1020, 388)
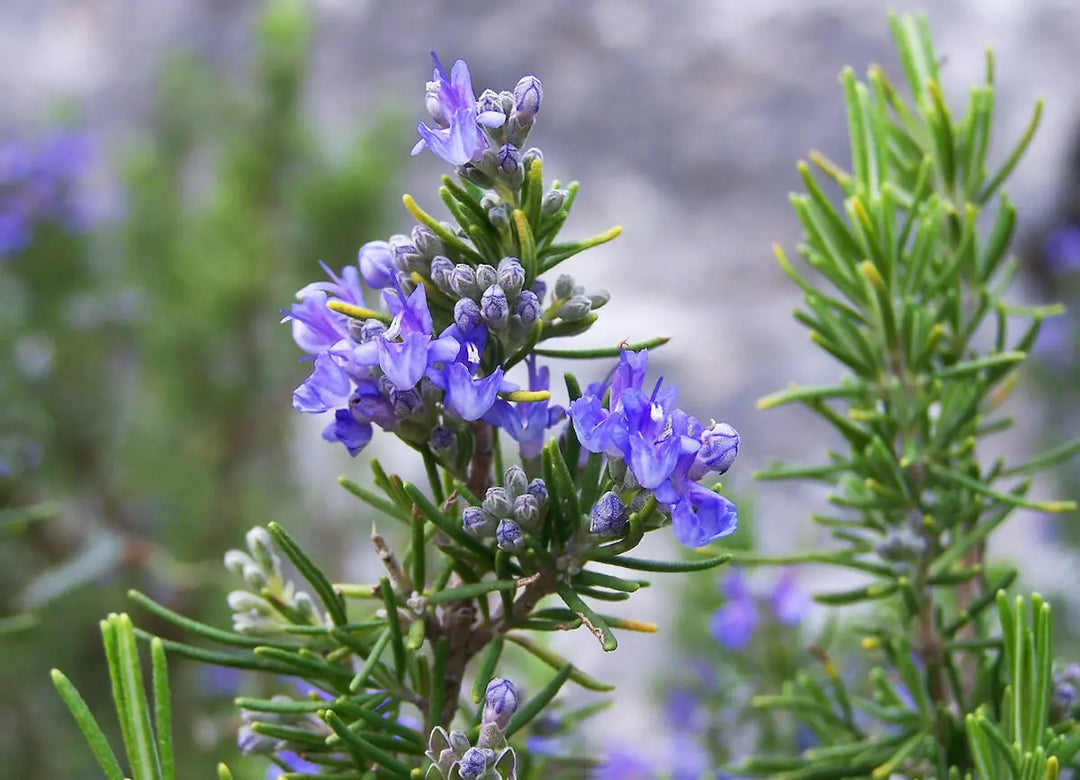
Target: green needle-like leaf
(95, 737)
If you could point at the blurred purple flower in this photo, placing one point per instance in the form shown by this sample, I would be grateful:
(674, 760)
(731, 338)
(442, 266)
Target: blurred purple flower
(1056, 343)
(1062, 250)
(733, 625)
(624, 766)
(293, 763)
(790, 604)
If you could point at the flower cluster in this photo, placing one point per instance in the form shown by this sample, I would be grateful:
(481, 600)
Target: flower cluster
(665, 450)
(37, 185)
(483, 137)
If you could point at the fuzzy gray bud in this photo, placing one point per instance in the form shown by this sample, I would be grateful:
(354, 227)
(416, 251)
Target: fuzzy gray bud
(494, 308)
(486, 276)
(478, 522)
(564, 286)
(553, 202)
(498, 502)
(609, 516)
(527, 307)
(598, 298)
(463, 281)
(515, 481)
(577, 308)
(500, 703)
(527, 511)
(262, 548)
(237, 561)
(511, 276)
(528, 94)
(509, 536)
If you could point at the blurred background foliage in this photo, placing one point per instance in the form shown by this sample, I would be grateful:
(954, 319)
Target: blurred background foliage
(143, 417)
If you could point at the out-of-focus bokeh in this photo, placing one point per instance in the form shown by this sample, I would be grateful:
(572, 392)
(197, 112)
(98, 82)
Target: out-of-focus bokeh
(170, 173)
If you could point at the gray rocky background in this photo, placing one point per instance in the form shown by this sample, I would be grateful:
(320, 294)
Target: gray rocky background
(683, 121)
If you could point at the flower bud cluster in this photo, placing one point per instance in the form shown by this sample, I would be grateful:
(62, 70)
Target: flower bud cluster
(509, 512)
(570, 302)
(489, 296)
(491, 758)
(270, 603)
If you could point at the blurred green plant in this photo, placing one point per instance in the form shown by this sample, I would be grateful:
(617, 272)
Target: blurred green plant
(157, 420)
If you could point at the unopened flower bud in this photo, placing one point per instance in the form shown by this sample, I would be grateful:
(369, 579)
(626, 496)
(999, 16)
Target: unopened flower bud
(538, 490)
(553, 202)
(489, 100)
(363, 331)
(498, 217)
(539, 289)
(486, 276)
(527, 511)
(473, 764)
(498, 502)
(528, 94)
(426, 242)
(236, 561)
(442, 441)
(242, 601)
(434, 105)
(407, 258)
(511, 276)
(530, 155)
(406, 403)
(564, 287)
(493, 307)
(441, 270)
(608, 516)
(305, 606)
(577, 308)
(255, 577)
(376, 263)
(500, 703)
(463, 281)
(719, 447)
(527, 307)
(459, 743)
(261, 547)
(515, 481)
(598, 298)
(509, 536)
(467, 315)
(509, 160)
(472, 173)
(478, 522)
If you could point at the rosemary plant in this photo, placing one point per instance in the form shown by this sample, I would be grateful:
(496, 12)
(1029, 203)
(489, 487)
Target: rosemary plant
(425, 338)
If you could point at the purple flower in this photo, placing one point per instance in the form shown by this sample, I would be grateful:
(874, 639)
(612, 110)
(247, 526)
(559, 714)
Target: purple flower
(326, 387)
(293, 763)
(609, 516)
(457, 137)
(527, 422)
(663, 446)
(376, 263)
(733, 625)
(701, 516)
(788, 601)
(1062, 250)
(624, 766)
(468, 396)
(349, 431)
